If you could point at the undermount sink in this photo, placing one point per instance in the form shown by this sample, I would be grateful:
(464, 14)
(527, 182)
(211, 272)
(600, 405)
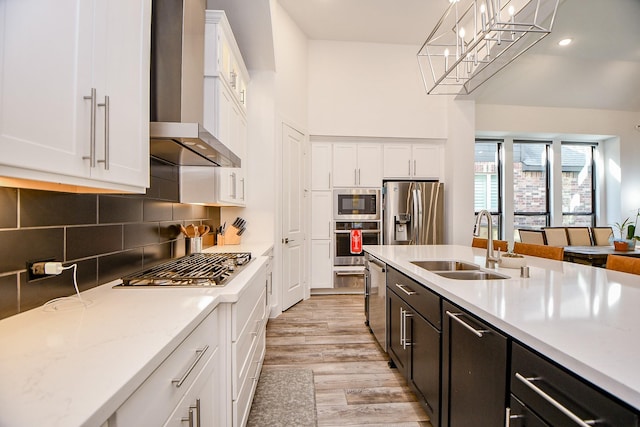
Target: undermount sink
(445, 265)
(458, 270)
(472, 275)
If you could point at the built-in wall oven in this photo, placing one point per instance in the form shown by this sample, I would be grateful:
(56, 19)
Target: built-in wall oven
(354, 209)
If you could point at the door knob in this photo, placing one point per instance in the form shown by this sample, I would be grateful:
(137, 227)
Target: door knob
(285, 240)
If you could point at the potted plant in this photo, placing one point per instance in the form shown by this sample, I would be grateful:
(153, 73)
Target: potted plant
(627, 240)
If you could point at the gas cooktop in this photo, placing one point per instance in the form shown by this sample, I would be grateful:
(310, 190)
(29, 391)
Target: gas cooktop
(195, 270)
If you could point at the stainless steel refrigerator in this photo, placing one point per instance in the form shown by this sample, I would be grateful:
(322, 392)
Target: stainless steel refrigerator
(412, 212)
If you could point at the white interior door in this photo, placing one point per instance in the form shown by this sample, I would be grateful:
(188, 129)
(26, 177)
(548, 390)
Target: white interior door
(293, 235)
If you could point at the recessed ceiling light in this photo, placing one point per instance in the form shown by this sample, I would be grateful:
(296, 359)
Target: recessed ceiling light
(564, 42)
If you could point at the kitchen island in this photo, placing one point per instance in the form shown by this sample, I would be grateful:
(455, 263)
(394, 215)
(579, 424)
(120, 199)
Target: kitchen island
(585, 319)
(66, 365)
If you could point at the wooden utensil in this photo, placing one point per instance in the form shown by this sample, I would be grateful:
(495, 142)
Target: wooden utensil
(203, 229)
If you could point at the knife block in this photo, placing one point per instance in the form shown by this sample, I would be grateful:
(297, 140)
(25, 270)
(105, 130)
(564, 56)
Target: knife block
(231, 236)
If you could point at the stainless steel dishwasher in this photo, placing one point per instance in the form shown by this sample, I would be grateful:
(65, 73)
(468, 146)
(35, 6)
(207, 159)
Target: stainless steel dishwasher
(376, 298)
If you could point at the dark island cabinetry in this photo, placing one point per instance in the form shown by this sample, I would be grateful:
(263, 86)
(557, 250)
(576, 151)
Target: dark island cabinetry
(414, 338)
(474, 371)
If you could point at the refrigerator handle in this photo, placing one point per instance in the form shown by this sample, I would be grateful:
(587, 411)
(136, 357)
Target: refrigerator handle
(415, 217)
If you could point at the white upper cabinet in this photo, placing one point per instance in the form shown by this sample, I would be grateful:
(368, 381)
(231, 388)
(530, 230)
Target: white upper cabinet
(321, 166)
(74, 85)
(357, 165)
(225, 106)
(416, 161)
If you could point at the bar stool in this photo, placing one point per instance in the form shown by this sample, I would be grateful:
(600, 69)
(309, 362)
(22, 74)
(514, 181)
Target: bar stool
(542, 251)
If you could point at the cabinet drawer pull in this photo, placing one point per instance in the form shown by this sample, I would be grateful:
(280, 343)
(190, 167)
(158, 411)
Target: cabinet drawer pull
(403, 288)
(476, 332)
(529, 383)
(199, 353)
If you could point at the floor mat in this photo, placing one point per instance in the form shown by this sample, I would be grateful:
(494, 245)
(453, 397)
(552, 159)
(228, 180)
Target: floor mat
(284, 397)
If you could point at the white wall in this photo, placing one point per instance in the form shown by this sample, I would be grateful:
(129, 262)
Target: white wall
(368, 89)
(616, 129)
(459, 172)
(291, 69)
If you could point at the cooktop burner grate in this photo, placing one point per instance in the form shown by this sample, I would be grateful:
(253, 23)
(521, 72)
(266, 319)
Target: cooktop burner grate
(202, 269)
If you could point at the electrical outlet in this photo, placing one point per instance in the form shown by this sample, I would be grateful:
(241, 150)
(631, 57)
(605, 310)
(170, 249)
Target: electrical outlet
(36, 270)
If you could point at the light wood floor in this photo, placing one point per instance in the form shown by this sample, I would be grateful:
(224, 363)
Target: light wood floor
(353, 383)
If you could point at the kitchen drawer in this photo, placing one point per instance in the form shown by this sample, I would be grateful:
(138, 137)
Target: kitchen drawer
(533, 376)
(243, 348)
(154, 400)
(421, 299)
(252, 295)
(202, 399)
(242, 405)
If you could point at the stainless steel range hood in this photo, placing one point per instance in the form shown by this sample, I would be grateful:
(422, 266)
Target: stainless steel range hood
(177, 88)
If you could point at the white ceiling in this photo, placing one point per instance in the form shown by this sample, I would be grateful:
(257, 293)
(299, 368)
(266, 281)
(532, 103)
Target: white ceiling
(600, 69)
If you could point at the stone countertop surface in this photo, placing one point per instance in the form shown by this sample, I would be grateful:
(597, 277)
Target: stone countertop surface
(587, 319)
(68, 365)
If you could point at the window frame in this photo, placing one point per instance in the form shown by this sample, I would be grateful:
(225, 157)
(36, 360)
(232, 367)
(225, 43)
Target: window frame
(499, 214)
(547, 166)
(592, 214)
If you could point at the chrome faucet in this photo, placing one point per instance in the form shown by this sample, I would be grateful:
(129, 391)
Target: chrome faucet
(491, 257)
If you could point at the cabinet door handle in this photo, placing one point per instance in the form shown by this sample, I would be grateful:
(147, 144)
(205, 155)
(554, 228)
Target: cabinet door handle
(242, 187)
(92, 131)
(508, 417)
(359, 182)
(233, 185)
(406, 342)
(415, 172)
(529, 383)
(476, 332)
(403, 288)
(195, 407)
(199, 353)
(190, 418)
(402, 327)
(106, 132)
(355, 177)
(409, 164)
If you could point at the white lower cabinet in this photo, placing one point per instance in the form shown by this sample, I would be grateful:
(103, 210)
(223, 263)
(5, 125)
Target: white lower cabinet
(178, 381)
(248, 330)
(321, 264)
(201, 405)
(209, 380)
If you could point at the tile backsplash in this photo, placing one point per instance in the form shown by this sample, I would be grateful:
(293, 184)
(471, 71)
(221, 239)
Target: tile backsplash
(107, 236)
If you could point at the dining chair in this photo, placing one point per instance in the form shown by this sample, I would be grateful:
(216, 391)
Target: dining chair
(479, 242)
(623, 263)
(579, 236)
(541, 251)
(556, 236)
(601, 235)
(535, 237)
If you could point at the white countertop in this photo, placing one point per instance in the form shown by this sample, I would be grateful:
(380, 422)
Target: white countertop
(76, 367)
(587, 319)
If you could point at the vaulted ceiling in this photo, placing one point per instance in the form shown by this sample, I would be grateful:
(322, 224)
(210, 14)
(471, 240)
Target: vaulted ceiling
(599, 70)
